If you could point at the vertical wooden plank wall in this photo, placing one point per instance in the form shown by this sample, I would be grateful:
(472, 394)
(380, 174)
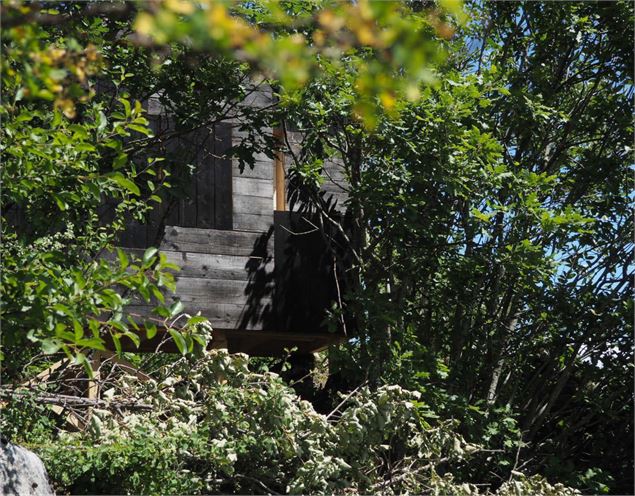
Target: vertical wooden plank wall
(222, 238)
(223, 203)
(204, 195)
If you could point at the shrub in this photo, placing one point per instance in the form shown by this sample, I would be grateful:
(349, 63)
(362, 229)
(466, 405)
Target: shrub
(210, 425)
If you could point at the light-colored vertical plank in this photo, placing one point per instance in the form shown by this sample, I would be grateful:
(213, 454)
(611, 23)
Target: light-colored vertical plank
(93, 384)
(279, 190)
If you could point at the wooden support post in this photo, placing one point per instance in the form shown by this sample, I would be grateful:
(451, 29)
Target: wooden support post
(279, 186)
(71, 419)
(93, 384)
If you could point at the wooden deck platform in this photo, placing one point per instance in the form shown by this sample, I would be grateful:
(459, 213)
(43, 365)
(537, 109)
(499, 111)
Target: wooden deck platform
(254, 343)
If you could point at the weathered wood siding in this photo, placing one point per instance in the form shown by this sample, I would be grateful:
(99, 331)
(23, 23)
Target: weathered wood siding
(222, 236)
(227, 276)
(252, 199)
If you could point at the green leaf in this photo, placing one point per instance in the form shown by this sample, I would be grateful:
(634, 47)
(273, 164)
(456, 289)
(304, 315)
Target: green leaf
(197, 319)
(93, 343)
(133, 337)
(80, 359)
(133, 323)
(50, 346)
(123, 259)
(102, 121)
(85, 147)
(176, 308)
(120, 161)
(126, 106)
(126, 183)
(149, 254)
(117, 342)
(158, 294)
(151, 330)
(200, 340)
(60, 204)
(79, 330)
(179, 340)
(24, 117)
(140, 129)
(162, 311)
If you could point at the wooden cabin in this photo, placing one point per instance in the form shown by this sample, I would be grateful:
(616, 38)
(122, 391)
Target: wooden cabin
(258, 270)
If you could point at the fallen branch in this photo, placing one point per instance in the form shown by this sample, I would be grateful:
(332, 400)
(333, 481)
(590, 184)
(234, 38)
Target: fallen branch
(67, 400)
(408, 473)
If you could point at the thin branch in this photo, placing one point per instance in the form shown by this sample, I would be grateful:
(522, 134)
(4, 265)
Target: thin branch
(346, 399)
(111, 10)
(66, 400)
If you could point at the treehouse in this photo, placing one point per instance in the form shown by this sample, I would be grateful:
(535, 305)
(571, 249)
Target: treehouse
(259, 270)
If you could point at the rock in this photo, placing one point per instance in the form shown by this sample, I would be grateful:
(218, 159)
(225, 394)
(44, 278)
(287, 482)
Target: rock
(22, 473)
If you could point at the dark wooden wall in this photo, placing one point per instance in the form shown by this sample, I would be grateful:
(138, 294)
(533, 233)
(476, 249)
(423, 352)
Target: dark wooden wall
(282, 280)
(201, 184)
(243, 266)
(225, 275)
(304, 277)
(208, 203)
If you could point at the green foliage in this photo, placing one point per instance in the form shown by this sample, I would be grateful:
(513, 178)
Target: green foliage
(489, 231)
(485, 246)
(80, 163)
(534, 485)
(216, 427)
(27, 420)
(71, 182)
(387, 47)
